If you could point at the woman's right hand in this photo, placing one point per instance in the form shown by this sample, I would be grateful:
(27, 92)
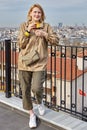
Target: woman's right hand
(31, 26)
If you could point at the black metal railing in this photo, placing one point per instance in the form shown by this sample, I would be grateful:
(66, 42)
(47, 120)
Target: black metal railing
(65, 87)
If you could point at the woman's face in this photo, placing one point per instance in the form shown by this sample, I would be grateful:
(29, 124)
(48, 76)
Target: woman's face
(36, 14)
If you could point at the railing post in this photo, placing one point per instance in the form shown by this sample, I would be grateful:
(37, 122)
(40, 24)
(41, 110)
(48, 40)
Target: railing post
(8, 67)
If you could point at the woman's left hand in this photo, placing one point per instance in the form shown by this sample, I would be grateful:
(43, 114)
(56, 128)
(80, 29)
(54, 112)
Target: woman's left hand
(40, 32)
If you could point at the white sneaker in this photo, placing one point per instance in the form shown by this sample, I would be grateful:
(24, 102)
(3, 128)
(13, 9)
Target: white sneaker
(41, 109)
(32, 121)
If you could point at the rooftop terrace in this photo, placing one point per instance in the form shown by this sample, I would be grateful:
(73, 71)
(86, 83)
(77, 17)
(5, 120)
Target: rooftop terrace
(54, 120)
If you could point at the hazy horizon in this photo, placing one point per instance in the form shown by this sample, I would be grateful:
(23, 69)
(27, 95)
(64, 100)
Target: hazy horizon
(13, 13)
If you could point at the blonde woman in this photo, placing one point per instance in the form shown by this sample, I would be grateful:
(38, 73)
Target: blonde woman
(34, 35)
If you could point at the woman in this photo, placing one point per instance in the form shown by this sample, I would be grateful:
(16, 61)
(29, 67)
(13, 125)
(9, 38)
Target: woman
(34, 36)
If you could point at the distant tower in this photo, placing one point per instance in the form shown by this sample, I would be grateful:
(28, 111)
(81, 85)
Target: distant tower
(60, 25)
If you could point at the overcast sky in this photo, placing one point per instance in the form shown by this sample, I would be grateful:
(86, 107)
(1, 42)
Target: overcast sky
(69, 12)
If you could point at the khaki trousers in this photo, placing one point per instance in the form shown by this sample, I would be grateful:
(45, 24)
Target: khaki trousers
(31, 81)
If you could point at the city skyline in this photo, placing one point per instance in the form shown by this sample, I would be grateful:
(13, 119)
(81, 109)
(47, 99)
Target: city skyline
(12, 13)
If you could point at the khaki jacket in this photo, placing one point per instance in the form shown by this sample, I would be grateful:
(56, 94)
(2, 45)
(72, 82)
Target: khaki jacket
(27, 44)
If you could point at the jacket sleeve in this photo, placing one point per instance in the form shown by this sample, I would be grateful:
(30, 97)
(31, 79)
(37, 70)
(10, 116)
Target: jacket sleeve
(52, 37)
(22, 40)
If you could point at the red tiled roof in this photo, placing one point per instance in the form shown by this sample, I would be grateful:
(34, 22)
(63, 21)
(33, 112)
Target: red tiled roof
(14, 57)
(64, 69)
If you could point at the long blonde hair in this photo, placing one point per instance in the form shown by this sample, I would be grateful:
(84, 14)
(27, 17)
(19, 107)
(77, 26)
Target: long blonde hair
(30, 10)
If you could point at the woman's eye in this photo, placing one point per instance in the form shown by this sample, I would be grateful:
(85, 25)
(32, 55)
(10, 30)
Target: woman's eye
(37, 12)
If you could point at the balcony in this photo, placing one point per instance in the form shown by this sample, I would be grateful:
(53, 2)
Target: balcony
(65, 90)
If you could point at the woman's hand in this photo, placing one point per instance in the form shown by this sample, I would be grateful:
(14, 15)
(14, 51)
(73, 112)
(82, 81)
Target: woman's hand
(30, 27)
(41, 32)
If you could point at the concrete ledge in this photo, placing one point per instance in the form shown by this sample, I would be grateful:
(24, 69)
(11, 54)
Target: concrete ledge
(59, 119)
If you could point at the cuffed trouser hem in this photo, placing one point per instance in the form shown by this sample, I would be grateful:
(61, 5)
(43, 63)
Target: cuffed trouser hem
(27, 107)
